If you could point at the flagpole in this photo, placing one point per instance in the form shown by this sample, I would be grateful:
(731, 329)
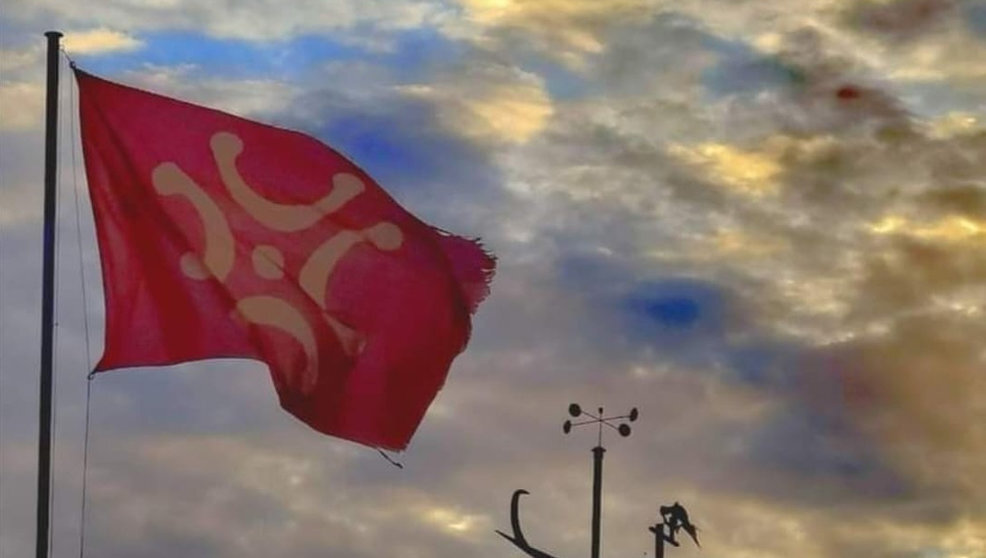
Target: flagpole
(47, 299)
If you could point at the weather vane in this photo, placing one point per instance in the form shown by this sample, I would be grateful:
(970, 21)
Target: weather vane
(673, 517)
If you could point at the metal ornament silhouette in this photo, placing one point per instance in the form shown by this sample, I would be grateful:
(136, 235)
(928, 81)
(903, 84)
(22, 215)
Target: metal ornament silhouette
(597, 479)
(675, 518)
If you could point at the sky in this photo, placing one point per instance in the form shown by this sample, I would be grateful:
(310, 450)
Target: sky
(762, 225)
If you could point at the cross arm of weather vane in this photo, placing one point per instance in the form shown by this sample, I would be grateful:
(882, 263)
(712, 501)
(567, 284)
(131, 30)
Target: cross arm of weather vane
(575, 410)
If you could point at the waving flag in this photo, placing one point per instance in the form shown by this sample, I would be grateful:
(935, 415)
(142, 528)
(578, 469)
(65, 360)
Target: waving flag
(222, 237)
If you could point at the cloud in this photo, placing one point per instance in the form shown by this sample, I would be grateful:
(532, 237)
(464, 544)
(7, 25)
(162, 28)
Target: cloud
(99, 41)
(748, 173)
(15, 60)
(565, 29)
(749, 221)
(916, 391)
(259, 20)
(901, 19)
(838, 150)
(23, 106)
(489, 102)
(243, 97)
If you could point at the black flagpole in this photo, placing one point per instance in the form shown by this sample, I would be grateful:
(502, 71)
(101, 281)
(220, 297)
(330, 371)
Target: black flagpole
(47, 298)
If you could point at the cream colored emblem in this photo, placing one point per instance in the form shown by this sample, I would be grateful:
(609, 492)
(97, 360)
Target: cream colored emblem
(219, 252)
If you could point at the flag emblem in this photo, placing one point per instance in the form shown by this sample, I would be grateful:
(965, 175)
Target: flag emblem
(219, 251)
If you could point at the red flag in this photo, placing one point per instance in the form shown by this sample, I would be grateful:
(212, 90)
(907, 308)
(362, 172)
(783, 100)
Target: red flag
(222, 237)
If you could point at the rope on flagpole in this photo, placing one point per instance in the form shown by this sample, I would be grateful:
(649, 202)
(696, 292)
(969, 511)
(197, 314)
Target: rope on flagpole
(389, 459)
(85, 317)
(85, 469)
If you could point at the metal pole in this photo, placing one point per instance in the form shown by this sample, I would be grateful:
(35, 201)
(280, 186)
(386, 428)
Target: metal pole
(47, 298)
(597, 496)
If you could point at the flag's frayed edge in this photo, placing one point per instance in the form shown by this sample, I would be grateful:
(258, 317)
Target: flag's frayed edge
(472, 265)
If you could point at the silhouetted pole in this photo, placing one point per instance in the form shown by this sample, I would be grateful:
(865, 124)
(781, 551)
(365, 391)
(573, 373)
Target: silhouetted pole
(658, 531)
(47, 299)
(597, 496)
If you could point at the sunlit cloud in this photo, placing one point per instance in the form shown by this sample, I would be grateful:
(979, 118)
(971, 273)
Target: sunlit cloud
(494, 105)
(950, 229)
(747, 172)
(453, 521)
(954, 123)
(100, 41)
(567, 30)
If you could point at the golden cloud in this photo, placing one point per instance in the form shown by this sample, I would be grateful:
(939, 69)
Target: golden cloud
(453, 521)
(99, 41)
(746, 172)
(565, 29)
(952, 229)
(503, 112)
(953, 124)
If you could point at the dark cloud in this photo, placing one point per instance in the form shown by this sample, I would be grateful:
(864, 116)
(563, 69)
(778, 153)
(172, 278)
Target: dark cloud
(900, 19)
(969, 200)
(974, 14)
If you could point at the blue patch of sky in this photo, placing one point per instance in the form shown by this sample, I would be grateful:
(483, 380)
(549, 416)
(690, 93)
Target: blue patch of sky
(682, 320)
(384, 147)
(762, 363)
(675, 305)
(673, 311)
(404, 149)
(234, 58)
(418, 51)
(800, 440)
(407, 54)
(688, 321)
